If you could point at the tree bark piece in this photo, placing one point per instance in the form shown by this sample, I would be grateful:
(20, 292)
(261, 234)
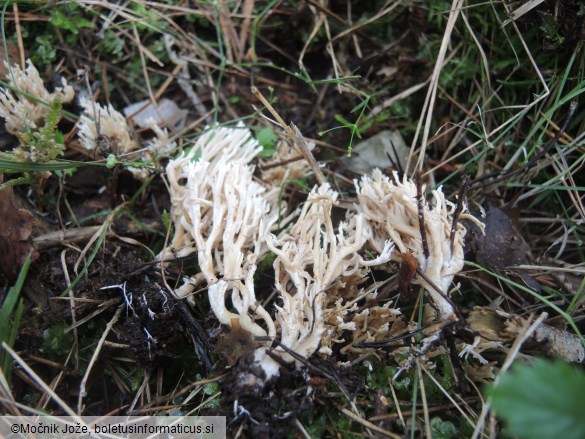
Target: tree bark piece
(497, 325)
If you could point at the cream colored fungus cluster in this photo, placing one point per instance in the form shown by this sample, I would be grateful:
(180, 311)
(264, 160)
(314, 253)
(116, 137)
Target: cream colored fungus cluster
(391, 208)
(25, 105)
(27, 108)
(223, 215)
(226, 217)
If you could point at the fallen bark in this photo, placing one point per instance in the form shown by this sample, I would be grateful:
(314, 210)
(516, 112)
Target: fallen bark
(496, 325)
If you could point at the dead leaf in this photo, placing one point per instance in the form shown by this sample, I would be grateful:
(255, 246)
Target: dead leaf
(502, 245)
(408, 266)
(386, 149)
(235, 344)
(15, 234)
(12, 54)
(165, 113)
(498, 325)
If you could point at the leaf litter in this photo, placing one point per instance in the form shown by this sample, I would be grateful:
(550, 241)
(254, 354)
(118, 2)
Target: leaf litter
(16, 227)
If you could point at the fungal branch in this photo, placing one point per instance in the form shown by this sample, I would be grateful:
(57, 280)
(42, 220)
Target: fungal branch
(224, 216)
(221, 214)
(394, 209)
(311, 258)
(99, 121)
(26, 104)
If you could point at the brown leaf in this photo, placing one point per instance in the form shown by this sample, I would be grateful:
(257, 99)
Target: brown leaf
(497, 325)
(502, 245)
(13, 56)
(15, 234)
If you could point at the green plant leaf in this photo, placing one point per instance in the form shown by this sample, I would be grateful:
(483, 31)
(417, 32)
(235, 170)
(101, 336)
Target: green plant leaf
(267, 138)
(166, 219)
(45, 52)
(359, 106)
(67, 20)
(56, 340)
(343, 121)
(443, 429)
(111, 161)
(10, 314)
(544, 400)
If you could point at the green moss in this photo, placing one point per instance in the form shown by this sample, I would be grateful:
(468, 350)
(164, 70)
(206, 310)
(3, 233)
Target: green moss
(46, 143)
(56, 341)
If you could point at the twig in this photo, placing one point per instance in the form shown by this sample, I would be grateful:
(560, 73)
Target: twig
(167, 82)
(65, 237)
(302, 429)
(458, 211)
(248, 10)
(307, 154)
(295, 135)
(228, 33)
(364, 23)
(458, 371)
(140, 391)
(519, 12)
(143, 62)
(514, 350)
(447, 395)
(341, 21)
(82, 389)
(199, 334)
(103, 306)
(396, 160)
(19, 35)
(316, 27)
(333, 376)
(385, 343)
(396, 403)
(438, 290)
(6, 396)
(75, 348)
(428, 106)
(423, 395)
(506, 173)
(39, 380)
(185, 390)
(421, 215)
(368, 424)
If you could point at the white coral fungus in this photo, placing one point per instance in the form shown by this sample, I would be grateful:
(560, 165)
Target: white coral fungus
(26, 106)
(98, 122)
(223, 215)
(106, 130)
(391, 208)
(310, 259)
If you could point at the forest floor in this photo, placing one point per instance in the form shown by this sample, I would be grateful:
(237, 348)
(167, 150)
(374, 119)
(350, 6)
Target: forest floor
(483, 99)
